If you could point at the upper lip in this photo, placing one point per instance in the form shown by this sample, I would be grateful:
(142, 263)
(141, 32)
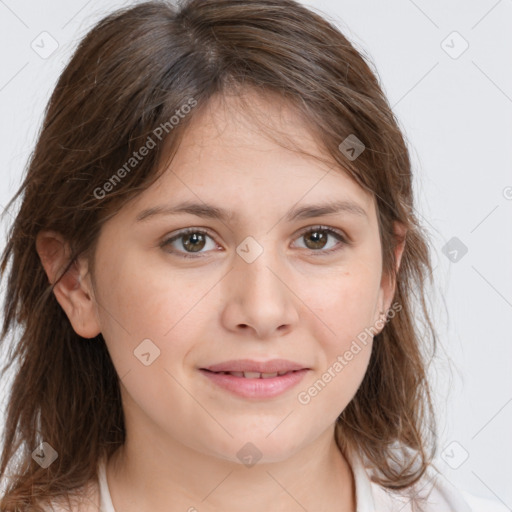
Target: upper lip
(249, 365)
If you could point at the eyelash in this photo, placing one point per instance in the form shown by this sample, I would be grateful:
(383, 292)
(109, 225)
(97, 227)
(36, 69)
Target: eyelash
(328, 230)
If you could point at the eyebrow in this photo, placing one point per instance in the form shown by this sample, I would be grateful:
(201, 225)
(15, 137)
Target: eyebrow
(214, 212)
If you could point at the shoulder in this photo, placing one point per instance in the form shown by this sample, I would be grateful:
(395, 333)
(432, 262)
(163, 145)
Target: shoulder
(432, 493)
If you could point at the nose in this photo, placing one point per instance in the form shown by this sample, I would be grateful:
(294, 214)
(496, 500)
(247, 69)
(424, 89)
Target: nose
(259, 300)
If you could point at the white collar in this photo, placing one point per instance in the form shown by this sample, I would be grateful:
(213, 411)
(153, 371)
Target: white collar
(105, 498)
(363, 484)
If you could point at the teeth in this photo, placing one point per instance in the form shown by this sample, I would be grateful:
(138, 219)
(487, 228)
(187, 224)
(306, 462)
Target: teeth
(255, 375)
(252, 375)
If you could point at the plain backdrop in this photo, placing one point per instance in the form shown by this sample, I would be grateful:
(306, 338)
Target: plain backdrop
(446, 67)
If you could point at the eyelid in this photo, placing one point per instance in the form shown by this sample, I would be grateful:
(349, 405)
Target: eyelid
(344, 239)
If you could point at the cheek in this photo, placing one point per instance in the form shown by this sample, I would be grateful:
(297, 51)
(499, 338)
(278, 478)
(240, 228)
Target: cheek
(331, 390)
(134, 305)
(148, 323)
(341, 326)
(165, 306)
(343, 303)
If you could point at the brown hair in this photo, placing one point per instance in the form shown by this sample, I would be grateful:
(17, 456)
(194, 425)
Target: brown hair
(128, 76)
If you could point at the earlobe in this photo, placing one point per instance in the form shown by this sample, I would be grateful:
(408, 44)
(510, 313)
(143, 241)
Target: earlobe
(73, 290)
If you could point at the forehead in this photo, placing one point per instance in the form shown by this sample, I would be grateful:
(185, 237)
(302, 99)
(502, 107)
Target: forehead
(250, 121)
(252, 152)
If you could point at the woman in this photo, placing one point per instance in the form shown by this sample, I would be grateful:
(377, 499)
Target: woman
(213, 266)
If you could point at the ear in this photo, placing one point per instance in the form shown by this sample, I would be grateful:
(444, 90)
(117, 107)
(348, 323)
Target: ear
(388, 282)
(74, 290)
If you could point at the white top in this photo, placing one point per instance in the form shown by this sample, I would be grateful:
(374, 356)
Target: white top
(440, 494)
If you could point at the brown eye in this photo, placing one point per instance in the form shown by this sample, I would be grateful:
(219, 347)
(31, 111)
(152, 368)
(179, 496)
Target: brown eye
(188, 241)
(194, 242)
(317, 238)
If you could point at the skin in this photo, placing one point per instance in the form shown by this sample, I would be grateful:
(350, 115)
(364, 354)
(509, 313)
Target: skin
(291, 302)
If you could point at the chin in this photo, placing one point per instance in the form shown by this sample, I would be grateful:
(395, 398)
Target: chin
(256, 448)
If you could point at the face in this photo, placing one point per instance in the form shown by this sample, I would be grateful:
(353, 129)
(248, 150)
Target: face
(258, 284)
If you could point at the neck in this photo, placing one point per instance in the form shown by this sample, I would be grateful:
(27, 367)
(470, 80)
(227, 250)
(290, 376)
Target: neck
(144, 477)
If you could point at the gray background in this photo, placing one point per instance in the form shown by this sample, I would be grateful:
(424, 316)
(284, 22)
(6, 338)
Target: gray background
(454, 105)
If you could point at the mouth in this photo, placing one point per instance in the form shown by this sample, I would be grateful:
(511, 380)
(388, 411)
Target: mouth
(255, 380)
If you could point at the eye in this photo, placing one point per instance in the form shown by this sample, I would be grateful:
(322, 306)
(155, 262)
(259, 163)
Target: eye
(191, 239)
(194, 240)
(317, 239)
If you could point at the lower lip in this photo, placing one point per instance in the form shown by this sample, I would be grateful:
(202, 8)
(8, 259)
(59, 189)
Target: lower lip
(256, 388)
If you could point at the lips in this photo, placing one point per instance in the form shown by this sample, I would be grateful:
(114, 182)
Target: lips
(258, 380)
